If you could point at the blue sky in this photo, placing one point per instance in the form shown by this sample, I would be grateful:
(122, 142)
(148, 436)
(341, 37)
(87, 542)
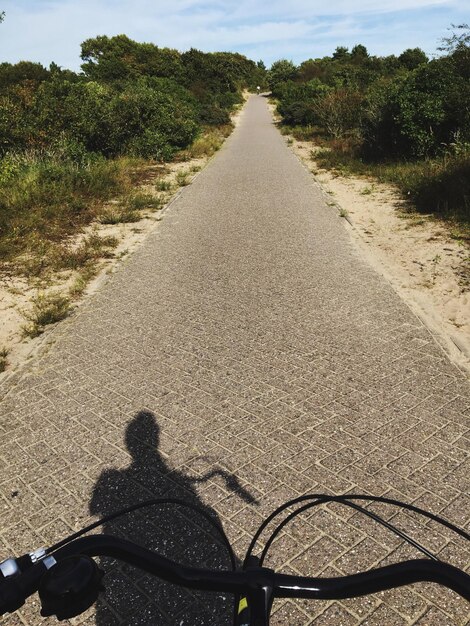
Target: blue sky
(52, 30)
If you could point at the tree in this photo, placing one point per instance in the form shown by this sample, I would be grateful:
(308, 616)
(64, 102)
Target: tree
(281, 71)
(457, 46)
(12, 74)
(341, 53)
(457, 39)
(359, 54)
(412, 57)
(120, 58)
(339, 111)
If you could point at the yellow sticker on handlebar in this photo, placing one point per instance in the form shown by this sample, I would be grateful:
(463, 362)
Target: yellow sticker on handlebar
(242, 605)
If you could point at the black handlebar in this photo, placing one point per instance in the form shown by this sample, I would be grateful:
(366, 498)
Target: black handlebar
(284, 585)
(250, 582)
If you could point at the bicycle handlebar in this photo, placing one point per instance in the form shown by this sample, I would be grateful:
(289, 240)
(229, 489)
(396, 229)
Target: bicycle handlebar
(284, 585)
(14, 592)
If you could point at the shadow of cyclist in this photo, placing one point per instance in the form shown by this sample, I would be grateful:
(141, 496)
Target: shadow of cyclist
(175, 532)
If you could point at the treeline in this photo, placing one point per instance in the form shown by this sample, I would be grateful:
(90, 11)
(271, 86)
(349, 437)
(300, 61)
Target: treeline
(405, 117)
(130, 98)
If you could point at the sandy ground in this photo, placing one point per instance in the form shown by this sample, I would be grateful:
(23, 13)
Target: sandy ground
(17, 293)
(416, 253)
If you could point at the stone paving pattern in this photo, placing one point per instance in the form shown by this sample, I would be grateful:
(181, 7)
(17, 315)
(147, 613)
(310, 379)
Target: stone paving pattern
(244, 355)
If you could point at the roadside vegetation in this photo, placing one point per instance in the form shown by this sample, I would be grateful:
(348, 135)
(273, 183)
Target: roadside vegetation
(75, 148)
(402, 119)
(70, 142)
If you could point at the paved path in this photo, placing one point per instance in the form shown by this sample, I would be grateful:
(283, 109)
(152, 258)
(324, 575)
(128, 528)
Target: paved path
(245, 354)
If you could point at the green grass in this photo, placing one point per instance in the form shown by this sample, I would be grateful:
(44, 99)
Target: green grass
(44, 200)
(209, 141)
(139, 201)
(47, 309)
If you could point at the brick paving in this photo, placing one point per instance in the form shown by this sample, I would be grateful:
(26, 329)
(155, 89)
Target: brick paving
(244, 355)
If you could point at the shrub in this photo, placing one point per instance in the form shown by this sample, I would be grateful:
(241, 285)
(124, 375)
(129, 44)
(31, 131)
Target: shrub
(297, 101)
(441, 186)
(214, 115)
(339, 111)
(415, 115)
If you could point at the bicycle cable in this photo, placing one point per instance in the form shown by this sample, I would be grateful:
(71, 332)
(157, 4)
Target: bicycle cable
(141, 505)
(357, 507)
(344, 499)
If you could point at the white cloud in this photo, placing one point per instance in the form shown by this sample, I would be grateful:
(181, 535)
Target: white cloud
(319, 8)
(47, 30)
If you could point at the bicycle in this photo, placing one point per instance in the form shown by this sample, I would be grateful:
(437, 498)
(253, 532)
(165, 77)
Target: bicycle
(69, 581)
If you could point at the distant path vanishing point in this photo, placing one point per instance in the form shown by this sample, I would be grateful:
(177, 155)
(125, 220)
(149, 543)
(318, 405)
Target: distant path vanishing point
(243, 355)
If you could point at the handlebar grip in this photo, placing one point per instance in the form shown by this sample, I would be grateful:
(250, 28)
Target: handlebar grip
(11, 596)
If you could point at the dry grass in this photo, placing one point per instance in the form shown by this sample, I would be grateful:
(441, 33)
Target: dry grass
(140, 200)
(118, 215)
(47, 257)
(208, 142)
(4, 352)
(183, 178)
(87, 273)
(47, 309)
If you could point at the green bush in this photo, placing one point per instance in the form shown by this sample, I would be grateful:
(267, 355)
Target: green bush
(441, 186)
(147, 117)
(133, 98)
(214, 115)
(297, 101)
(416, 115)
